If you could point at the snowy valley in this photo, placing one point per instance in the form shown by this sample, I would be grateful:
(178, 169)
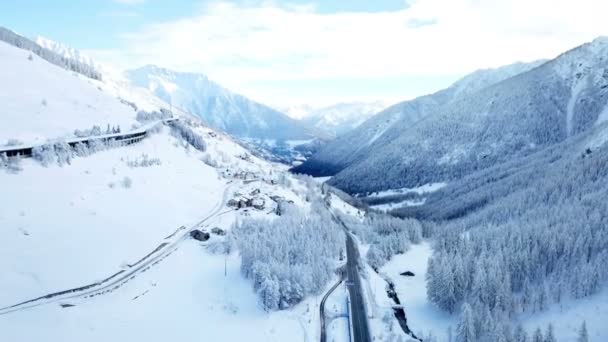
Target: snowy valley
(154, 204)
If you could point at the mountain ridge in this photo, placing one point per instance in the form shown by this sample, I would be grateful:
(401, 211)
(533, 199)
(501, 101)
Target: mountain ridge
(217, 106)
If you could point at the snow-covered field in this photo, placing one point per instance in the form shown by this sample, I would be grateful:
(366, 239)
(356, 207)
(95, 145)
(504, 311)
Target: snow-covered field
(72, 225)
(187, 297)
(423, 317)
(391, 206)
(423, 189)
(568, 316)
(67, 225)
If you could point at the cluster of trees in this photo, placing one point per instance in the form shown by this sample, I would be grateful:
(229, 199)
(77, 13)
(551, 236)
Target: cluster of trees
(70, 64)
(290, 257)
(13, 142)
(525, 236)
(474, 328)
(185, 132)
(144, 161)
(386, 235)
(162, 114)
(62, 153)
(12, 165)
(97, 131)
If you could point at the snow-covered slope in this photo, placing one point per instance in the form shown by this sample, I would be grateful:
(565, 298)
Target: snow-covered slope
(484, 78)
(297, 112)
(67, 226)
(67, 52)
(381, 129)
(340, 118)
(217, 106)
(40, 100)
(479, 129)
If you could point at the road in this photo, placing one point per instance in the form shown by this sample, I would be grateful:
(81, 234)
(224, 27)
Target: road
(322, 309)
(126, 138)
(358, 313)
(121, 277)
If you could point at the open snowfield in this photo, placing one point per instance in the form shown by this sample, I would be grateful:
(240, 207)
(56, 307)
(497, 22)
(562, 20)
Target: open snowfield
(423, 317)
(73, 225)
(66, 226)
(568, 316)
(185, 298)
(423, 189)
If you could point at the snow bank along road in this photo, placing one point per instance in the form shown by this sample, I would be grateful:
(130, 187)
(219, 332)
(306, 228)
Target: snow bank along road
(121, 277)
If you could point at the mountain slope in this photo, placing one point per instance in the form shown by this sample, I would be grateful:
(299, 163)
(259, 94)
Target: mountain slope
(336, 119)
(97, 211)
(41, 100)
(217, 106)
(383, 128)
(541, 107)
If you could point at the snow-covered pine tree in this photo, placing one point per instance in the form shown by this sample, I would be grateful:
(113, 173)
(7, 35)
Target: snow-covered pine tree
(466, 326)
(538, 336)
(583, 336)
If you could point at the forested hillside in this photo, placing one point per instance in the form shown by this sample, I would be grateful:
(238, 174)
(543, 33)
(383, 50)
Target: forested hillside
(50, 56)
(516, 117)
(532, 233)
(375, 134)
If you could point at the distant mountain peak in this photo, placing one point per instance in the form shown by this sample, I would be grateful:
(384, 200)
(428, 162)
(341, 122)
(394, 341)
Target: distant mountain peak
(217, 106)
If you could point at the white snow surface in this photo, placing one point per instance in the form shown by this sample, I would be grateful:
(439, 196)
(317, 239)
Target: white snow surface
(423, 317)
(66, 51)
(568, 316)
(342, 117)
(421, 190)
(69, 226)
(39, 100)
(397, 205)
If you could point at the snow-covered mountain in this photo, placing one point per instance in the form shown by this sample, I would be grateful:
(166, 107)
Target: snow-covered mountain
(389, 124)
(515, 117)
(337, 119)
(217, 106)
(340, 118)
(92, 213)
(67, 52)
(297, 112)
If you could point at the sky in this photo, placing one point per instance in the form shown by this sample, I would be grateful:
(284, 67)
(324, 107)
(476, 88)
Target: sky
(315, 52)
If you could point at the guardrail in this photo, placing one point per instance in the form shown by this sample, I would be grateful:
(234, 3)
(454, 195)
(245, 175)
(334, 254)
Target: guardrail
(126, 138)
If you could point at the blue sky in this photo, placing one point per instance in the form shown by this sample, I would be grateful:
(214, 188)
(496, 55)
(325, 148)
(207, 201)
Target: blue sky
(315, 51)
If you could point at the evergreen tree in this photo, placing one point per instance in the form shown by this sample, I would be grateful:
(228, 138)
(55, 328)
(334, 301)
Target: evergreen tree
(549, 337)
(583, 336)
(520, 334)
(466, 326)
(538, 336)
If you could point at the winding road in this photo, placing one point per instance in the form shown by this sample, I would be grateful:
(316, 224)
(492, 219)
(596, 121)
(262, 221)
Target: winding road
(121, 277)
(322, 309)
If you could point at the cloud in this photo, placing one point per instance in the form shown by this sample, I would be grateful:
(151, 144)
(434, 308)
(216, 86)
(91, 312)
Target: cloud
(239, 45)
